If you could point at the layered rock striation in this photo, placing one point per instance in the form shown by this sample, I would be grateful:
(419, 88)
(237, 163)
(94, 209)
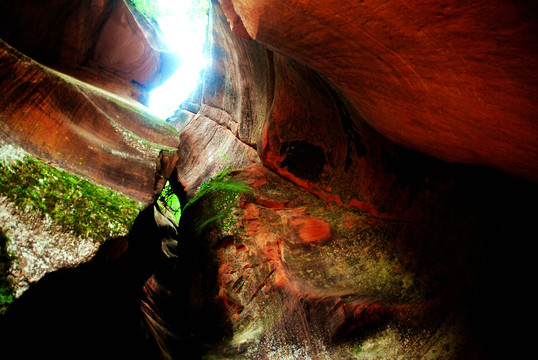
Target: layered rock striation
(457, 82)
(83, 128)
(79, 156)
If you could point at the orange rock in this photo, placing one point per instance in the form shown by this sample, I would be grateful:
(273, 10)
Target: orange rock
(79, 128)
(458, 82)
(102, 42)
(360, 205)
(311, 229)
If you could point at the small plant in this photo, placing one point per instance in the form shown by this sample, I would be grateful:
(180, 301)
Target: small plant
(221, 181)
(226, 190)
(6, 288)
(169, 202)
(148, 8)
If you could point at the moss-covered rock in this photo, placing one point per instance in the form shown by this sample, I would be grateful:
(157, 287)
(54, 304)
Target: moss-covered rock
(225, 191)
(75, 204)
(54, 219)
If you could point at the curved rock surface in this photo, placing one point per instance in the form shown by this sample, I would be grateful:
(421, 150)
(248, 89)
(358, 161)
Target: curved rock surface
(84, 129)
(87, 36)
(456, 81)
(376, 213)
(285, 275)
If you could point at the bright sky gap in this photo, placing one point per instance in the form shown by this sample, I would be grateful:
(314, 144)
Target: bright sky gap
(185, 35)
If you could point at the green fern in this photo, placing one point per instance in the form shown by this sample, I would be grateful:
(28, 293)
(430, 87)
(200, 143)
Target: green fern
(169, 203)
(226, 191)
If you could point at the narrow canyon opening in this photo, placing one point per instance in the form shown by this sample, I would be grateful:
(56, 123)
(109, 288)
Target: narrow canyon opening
(183, 24)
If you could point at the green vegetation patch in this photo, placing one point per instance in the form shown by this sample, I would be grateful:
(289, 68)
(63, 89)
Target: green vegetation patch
(151, 10)
(148, 8)
(226, 191)
(169, 203)
(6, 288)
(75, 204)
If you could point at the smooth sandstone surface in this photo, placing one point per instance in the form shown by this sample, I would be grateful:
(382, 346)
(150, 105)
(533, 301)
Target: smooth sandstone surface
(84, 129)
(389, 151)
(455, 81)
(349, 245)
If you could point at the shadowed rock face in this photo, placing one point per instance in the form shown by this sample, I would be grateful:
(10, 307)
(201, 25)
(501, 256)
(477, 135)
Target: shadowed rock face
(92, 311)
(347, 242)
(286, 275)
(90, 124)
(361, 247)
(87, 121)
(88, 36)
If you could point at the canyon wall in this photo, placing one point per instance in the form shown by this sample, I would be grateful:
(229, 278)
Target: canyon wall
(80, 156)
(358, 180)
(457, 82)
(346, 243)
(106, 43)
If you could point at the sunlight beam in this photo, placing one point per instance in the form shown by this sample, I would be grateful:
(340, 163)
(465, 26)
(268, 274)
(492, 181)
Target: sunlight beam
(184, 34)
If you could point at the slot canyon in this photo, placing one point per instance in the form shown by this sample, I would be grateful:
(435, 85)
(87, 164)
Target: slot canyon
(357, 178)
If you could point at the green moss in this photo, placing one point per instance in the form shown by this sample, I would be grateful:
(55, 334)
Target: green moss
(169, 203)
(78, 206)
(6, 288)
(150, 8)
(384, 276)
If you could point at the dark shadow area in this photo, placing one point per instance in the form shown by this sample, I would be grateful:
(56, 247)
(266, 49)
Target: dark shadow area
(144, 296)
(180, 303)
(89, 312)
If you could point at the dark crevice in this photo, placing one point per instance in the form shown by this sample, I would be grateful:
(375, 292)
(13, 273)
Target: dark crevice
(92, 311)
(303, 159)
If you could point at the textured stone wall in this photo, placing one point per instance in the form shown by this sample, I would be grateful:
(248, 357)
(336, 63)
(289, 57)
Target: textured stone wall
(349, 245)
(82, 128)
(368, 186)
